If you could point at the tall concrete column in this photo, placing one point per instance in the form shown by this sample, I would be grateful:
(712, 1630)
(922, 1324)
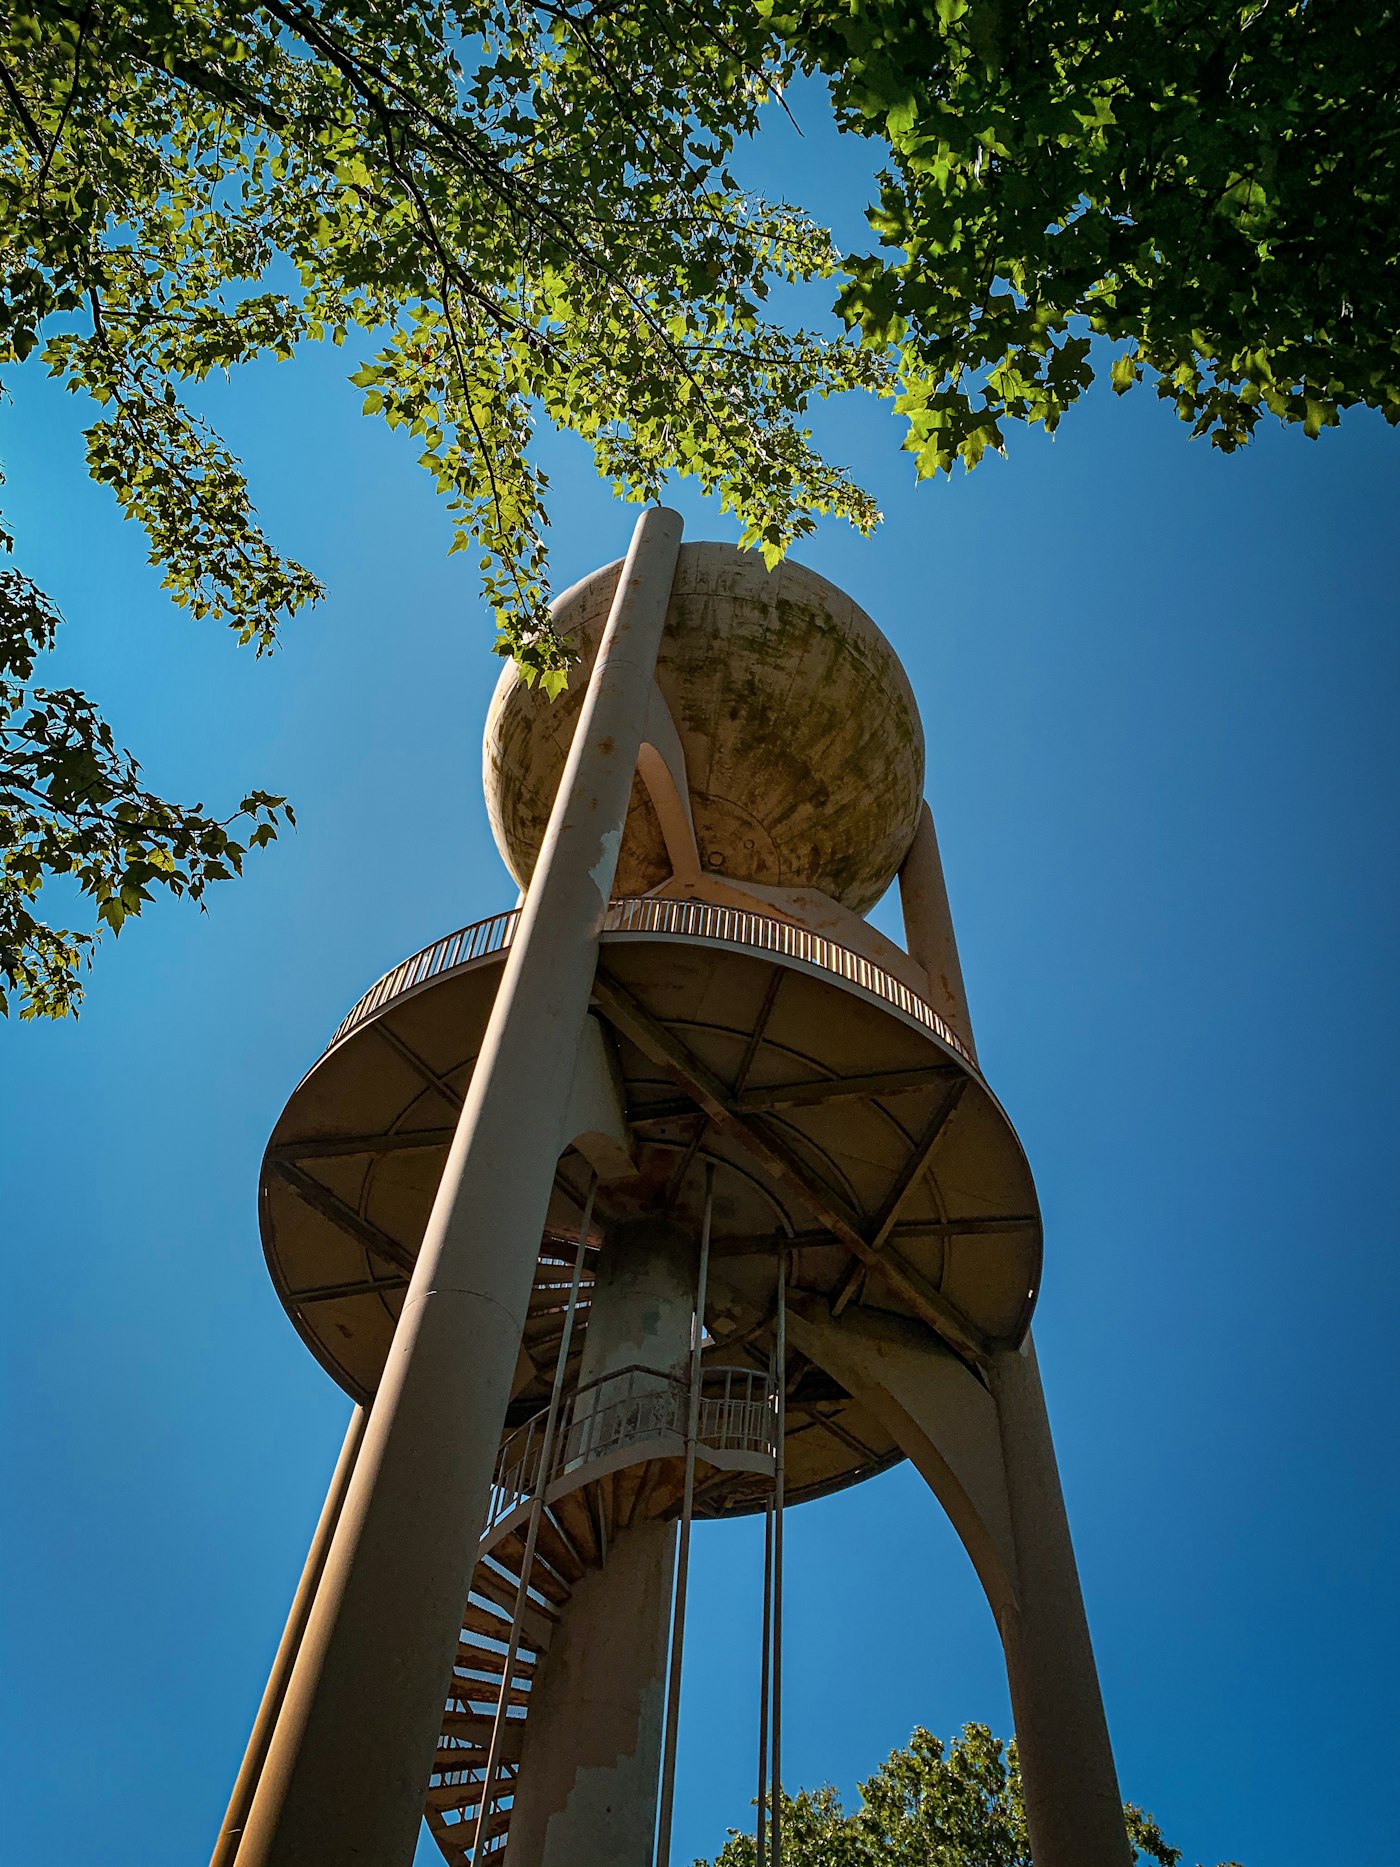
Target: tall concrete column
(231, 1834)
(928, 928)
(591, 1762)
(350, 1759)
(1073, 1808)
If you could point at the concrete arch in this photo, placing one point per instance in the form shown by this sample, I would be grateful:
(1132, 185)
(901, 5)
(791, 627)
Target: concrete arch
(595, 1121)
(938, 1412)
(661, 763)
(987, 1455)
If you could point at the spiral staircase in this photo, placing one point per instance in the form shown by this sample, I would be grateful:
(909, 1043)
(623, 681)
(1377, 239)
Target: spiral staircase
(616, 1456)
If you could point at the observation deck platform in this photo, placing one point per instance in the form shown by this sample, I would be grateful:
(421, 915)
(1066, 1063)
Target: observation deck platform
(844, 1119)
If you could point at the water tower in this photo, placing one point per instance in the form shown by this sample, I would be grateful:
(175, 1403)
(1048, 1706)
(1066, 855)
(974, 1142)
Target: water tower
(674, 1192)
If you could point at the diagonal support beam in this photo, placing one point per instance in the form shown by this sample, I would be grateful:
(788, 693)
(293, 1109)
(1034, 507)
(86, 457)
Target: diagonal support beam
(331, 1206)
(808, 1094)
(683, 1165)
(837, 1431)
(632, 1020)
(360, 1287)
(917, 1165)
(337, 1146)
(914, 1170)
(416, 1063)
(840, 1088)
(905, 1229)
(760, 1029)
(671, 1109)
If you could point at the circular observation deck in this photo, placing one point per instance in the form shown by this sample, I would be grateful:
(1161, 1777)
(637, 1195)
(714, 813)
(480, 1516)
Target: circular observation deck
(845, 1122)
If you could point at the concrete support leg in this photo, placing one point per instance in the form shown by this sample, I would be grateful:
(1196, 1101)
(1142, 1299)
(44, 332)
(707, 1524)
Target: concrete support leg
(989, 1459)
(928, 928)
(1073, 1808)
(591, 1763)
(350, 1758)
(231, 1834)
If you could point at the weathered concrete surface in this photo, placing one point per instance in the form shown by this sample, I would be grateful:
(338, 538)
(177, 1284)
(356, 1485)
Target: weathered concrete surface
(241, 1800)
(987, 1455)
(592, 1753)
(1074, 1811)
(802, 742)
(940, 1415)
(928, 929)
(642, 1301)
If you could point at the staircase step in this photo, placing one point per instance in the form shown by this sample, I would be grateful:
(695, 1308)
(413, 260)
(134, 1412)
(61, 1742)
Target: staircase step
(544, 1578)
(474, 1656)
(559, 1552)
(493, 1621)
(537, 1623)
(473, 1730)
(484, 1691)
(535, 1633)
(467, 1795)
(497, 1825)
(576, 1521)
(459, 1853)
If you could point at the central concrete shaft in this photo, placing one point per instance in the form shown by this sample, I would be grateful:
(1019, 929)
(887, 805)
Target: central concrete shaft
(591, 1760)
(643, 1301)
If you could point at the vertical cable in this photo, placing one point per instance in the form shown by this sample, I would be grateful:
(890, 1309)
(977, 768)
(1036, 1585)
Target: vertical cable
(498, 1724)
(779, 1482)
(761, 1839)
(673, 1682)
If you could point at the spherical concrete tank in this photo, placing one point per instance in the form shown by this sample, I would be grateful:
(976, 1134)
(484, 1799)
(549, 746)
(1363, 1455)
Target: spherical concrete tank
(803, 750)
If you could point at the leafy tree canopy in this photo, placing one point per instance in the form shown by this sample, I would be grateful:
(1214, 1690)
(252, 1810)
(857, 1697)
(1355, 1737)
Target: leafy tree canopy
(527, 212)
(928, 1805)
(1208, 185)
(72, 804)
(520, 212)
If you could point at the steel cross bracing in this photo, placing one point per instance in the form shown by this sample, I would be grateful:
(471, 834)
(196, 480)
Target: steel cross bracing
(631, 1019)
(875, 1231)
(734, 1110)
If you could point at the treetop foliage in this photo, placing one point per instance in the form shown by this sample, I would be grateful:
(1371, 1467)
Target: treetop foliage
(523, 212)
(528, 207)
(928, 1805)
(519, 212)
(74, 806)
(1209, 185)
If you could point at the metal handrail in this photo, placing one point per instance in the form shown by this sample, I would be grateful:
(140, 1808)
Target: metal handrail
(646, 914)
(632, 1407)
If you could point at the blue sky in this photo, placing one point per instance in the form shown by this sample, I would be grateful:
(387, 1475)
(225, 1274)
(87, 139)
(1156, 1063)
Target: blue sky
(1160, 691)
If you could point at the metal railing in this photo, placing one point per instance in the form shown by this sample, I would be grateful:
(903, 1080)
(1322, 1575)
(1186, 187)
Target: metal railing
(690, 920)
(458, 949)
(629, 1409)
